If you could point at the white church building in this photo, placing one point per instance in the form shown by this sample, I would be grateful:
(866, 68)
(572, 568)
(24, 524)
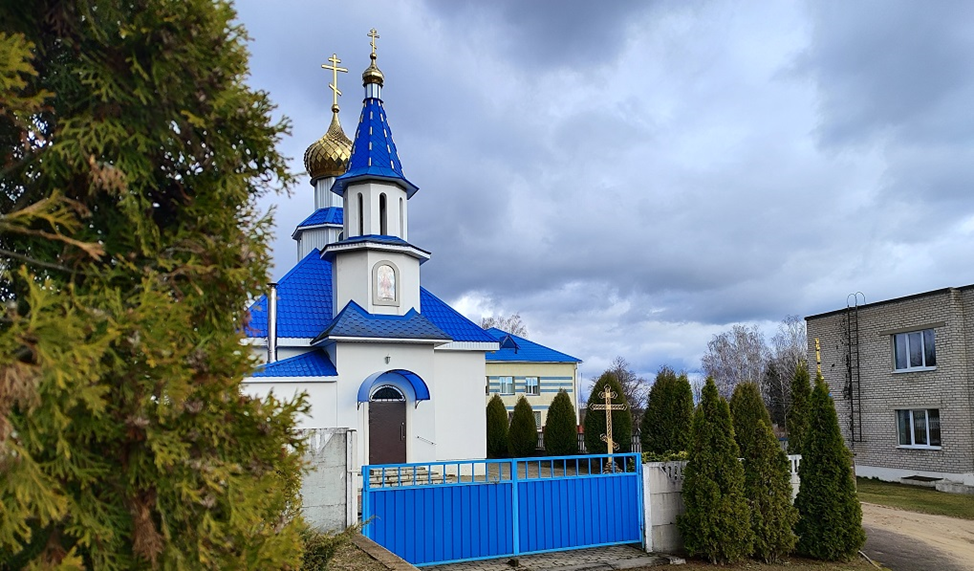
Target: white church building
(351, 325)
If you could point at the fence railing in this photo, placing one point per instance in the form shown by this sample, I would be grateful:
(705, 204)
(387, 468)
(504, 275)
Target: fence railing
(636, 445)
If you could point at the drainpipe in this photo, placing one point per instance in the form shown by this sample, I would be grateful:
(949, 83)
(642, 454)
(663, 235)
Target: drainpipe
(272, 323)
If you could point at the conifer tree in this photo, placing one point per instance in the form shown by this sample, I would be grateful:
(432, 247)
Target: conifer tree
(798, 412)
(561, 429)
(665, 426)
(522, 437)
(830, 516)
(595, 419)
(767, 487)
(496, 427)
(133, 153)
(716, 524)
(747, 411)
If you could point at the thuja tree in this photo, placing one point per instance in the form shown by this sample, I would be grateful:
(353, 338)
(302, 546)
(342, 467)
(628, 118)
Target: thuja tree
(522, 437)
(595, 419)
(767, 487)
(496, 427)
(133, 153)
(747, 410)
(561, 429)
(716, 524)
(830, 516)
(798, 411)
(665, 426)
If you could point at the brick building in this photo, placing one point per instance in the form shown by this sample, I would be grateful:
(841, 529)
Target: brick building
(901, 373)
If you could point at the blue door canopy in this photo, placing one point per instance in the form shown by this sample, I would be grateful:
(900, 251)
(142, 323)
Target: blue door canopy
(399, 377)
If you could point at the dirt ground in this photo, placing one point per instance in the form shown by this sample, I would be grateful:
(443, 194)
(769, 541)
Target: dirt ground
(952, 537)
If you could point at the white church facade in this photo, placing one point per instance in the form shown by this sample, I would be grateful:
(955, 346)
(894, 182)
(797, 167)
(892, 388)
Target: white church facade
(351, 325)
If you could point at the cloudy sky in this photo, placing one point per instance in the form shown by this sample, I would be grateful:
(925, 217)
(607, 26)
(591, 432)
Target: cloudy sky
(634, 177)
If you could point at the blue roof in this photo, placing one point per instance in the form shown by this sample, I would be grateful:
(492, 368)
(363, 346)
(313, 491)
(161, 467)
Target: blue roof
(376, 239)
(450, 320)
(303, 301)
(312, 364)
(519, 349)
(374, 154)
(331, 215)
(354, 321)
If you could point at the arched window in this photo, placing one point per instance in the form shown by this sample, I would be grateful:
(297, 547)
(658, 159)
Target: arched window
(388, 393)
(402, 225)
(383, 218)
(361, 216)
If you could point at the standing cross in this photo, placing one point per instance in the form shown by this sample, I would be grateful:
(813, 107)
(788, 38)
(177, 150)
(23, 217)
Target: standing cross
(608, 394)
(373, 34)
(334, 77)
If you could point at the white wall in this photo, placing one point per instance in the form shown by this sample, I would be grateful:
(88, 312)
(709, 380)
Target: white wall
(353, 281)
(461, 412)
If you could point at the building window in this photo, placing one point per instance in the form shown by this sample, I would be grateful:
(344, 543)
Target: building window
(919, 428)
(383, 215)
(531, 386)
(507, 385)
(914, 350)
(361, 216)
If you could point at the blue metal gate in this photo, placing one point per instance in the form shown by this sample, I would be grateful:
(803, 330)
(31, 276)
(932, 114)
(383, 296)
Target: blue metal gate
(441, 512)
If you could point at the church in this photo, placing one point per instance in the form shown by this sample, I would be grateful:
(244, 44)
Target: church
(351, 325)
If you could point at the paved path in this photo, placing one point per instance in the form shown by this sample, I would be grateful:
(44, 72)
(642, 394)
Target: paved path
(904, 553)
(911, 541)
(594, 559)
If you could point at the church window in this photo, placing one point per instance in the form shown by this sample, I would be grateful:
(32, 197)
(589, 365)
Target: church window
(383, 215)
(361, 216)
(388, 393)
(385, 280)
(402, 224)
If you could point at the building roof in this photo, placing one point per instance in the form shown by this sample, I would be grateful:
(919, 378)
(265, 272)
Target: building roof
(354, 321)
(331, 215)
(374, 153)
(303, 301)
(941, 291)
(516, 349)
(304, 307)
(314, 363)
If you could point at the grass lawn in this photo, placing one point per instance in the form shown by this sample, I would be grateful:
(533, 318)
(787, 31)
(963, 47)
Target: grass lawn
(791, 564)
(916, 498)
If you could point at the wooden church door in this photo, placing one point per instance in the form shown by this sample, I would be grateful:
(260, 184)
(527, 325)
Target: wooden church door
(387, 427)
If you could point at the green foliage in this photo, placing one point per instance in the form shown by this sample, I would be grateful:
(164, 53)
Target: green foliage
(496, 428)
(665, 426)
(522, 437)
(595, 419)
(767, 487)
(561, 430)
(133, 154)
(716, 522)
(798, 413)
(320, 548)
(747, 411)
(830, 522)
(680, 456)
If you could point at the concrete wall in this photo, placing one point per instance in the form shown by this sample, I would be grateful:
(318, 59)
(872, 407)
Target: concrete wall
(329, 488)
(663, 502)
(948, 387)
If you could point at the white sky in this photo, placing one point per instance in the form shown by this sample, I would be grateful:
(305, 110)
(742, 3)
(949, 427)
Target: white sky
(634, 177)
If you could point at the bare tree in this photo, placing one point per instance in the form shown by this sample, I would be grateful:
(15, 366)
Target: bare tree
(634, 387)
(512, 324)
(736, 356)
(788, 349)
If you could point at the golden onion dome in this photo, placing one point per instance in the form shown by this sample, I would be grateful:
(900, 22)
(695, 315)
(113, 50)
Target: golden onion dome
(372, 74)
(328, 156)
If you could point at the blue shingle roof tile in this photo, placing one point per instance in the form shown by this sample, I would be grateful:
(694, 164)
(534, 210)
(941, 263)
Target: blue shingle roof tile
(303, 301)
(519, 349)
(450, 320)
(332, 215)
(374, 153)
(354, 321)
(312, 364)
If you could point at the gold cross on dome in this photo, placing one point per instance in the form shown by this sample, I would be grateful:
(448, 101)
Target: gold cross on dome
(373, 34)
(334, 76)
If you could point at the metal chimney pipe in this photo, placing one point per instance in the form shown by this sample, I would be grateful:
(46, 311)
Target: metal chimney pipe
(272, 323)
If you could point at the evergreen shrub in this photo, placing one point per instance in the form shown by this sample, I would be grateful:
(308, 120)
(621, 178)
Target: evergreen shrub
(830, 516)
(561, 430)
(716, 524)
(522, 436)
(747, 410)
(665, 426)
(797, 420)
(496, 428)
(767, 487)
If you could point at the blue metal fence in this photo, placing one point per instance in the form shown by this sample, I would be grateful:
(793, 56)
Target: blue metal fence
(441, 512)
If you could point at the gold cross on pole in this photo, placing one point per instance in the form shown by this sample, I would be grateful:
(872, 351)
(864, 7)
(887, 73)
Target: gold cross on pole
(608, 394)
(334, 78)
(373, 34)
